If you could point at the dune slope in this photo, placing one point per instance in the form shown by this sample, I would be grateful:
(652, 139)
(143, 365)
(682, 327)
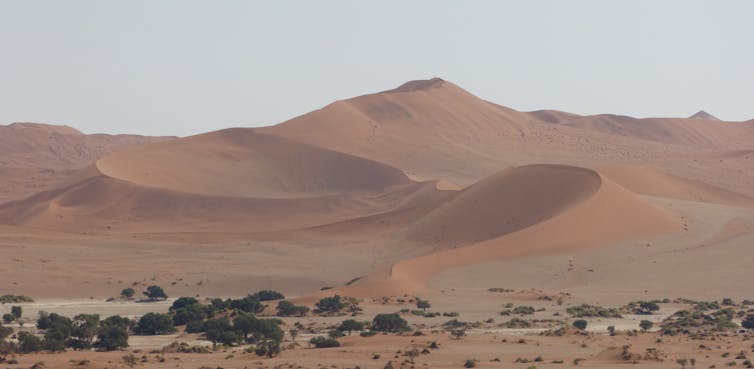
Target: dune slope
(505, 202)
(242, 163)
(596, 217)
(649, 180)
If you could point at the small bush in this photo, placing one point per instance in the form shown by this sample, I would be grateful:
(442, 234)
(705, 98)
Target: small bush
(580, 324)
(324, 342)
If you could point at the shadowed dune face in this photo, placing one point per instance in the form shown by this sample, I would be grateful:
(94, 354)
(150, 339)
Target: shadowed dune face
(242, 163)
(506, 202)
(104, 204)
(597, 217)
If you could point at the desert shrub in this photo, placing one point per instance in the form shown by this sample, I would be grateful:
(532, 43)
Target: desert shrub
(645, 325)
(83, 330)
(287, 308)
(748, 322)
(15, 299)
(247, 304)
(155, 293)
(7, 318)
(257, 330)
(580, 324)
(154, 324)
(586, 310)
(329, 304)
(214, 330)
(127, 293)
(389, 323)
(470, 363)
(324, 342)
(189, 313)
(267, 295)
(16, 312)
(337, 304)
(423, 304)
(117, 321)
(111, 337)
(28, 343)
(350, 325)
(268, 348)
(183, 302)
(523, 310)
(517, 323)
(648, 307)
(500, 290)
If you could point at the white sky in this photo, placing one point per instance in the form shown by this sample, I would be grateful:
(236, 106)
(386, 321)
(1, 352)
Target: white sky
(184, 67)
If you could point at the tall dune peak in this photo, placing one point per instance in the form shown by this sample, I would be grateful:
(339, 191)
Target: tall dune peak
(701, 114)
(419, 85)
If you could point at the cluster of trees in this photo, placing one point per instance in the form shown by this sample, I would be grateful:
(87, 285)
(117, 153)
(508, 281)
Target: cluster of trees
(84, 331)
(337, 304)
(392, 323)
(15, 314)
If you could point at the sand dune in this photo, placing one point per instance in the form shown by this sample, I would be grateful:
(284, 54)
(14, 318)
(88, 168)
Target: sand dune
(413, 173)
(505, 202)
(242, 163)
(233, 180)
(698, 130)
(106, 205)
(648, 180)
(701, 114)
(36, 157)
(604, 215)
(433, 129)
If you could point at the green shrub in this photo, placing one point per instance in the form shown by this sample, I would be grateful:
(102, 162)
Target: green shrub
(580, 324)
(324, 342)
(267, 295)
(389, 323)
(151, 324)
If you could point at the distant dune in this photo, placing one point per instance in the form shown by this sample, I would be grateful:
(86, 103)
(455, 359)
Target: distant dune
(36, 157)
(241, 162)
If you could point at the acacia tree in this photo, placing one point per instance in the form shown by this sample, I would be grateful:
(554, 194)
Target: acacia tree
(350, 325)
(155, 293)
(127, 293)
(17, 312)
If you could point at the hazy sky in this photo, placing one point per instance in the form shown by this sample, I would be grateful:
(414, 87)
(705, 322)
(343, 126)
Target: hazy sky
(184, 67)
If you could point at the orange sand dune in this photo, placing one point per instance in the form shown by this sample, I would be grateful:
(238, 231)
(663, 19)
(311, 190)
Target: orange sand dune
(648, 180)
(433, 129)
(103, 204)
(604, 215)
(239, 162)
(234, 180)
(505, 202)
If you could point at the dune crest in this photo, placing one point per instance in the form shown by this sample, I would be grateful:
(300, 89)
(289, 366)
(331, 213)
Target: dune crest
(611, 214)
(243, 163)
